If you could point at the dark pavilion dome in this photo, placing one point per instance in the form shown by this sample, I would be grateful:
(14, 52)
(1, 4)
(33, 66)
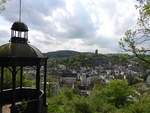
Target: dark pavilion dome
(19, 50)
(18, 46)
(19, 26)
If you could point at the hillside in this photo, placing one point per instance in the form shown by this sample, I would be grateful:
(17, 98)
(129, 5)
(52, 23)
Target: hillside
(61, 54)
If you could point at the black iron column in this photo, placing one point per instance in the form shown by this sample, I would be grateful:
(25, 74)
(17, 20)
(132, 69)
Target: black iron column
(38, 78)
(2, 78)
(21, 77)
(13, 84)
(38, 86)
(1, 87)
(45, 73)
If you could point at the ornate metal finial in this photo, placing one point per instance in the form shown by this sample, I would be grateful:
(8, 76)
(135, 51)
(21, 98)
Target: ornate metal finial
(20, 11)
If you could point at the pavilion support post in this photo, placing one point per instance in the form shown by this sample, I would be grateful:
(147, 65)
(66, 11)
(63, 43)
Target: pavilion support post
(21, 77)
(38, 78)
(1, 85)
(45, 73)
(1, 109)
(2, 78)
(38, 86)
(13, 85)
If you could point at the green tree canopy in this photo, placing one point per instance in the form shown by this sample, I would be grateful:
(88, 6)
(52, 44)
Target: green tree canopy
(2, 7)
(109, 99)
(136, 41)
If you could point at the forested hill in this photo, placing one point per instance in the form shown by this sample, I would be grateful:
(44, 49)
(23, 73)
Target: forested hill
(61, 54)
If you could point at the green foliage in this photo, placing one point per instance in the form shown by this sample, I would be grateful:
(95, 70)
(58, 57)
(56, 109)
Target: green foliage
(68, 102)
(51, 63)
(99, 102)
(62, 103)
(123, 58)
(27, 81)
(7, 83)
(144, 64)
(50, 86)
(112, 98)
(89, 60)
(142, 105)
(115, 97)
(145, 75)
(146, 8)
(135, 40)
(2, 2)
(82, 106)
(118, 92)
(61, 54)
(95, 83)
(7, 79)
(142, 88)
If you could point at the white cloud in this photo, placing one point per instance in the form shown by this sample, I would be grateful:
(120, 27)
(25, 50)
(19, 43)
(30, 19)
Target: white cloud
(82, 25)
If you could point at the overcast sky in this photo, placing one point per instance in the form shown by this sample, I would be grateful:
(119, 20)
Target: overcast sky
(80, 25)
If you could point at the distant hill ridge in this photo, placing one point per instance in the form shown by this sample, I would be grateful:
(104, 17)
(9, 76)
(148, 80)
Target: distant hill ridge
(69, 53)
(61, 54)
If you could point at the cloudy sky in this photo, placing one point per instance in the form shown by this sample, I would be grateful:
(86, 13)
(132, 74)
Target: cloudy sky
(81, 25)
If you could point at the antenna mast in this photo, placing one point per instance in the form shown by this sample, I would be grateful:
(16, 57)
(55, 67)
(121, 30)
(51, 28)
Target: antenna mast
(20, 11)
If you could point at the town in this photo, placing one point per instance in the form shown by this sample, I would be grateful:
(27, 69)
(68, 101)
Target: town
(74, 56)
(96, 67)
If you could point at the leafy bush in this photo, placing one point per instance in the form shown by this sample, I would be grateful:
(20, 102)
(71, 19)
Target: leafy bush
(118, 92)
(113, 98)
(142, 105)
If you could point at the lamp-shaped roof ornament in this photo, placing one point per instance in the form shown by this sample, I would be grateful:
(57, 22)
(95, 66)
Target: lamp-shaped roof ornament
(18, 46)
(19, 30)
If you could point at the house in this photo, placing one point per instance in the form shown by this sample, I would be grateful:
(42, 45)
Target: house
(148, 79)
(68, 79)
